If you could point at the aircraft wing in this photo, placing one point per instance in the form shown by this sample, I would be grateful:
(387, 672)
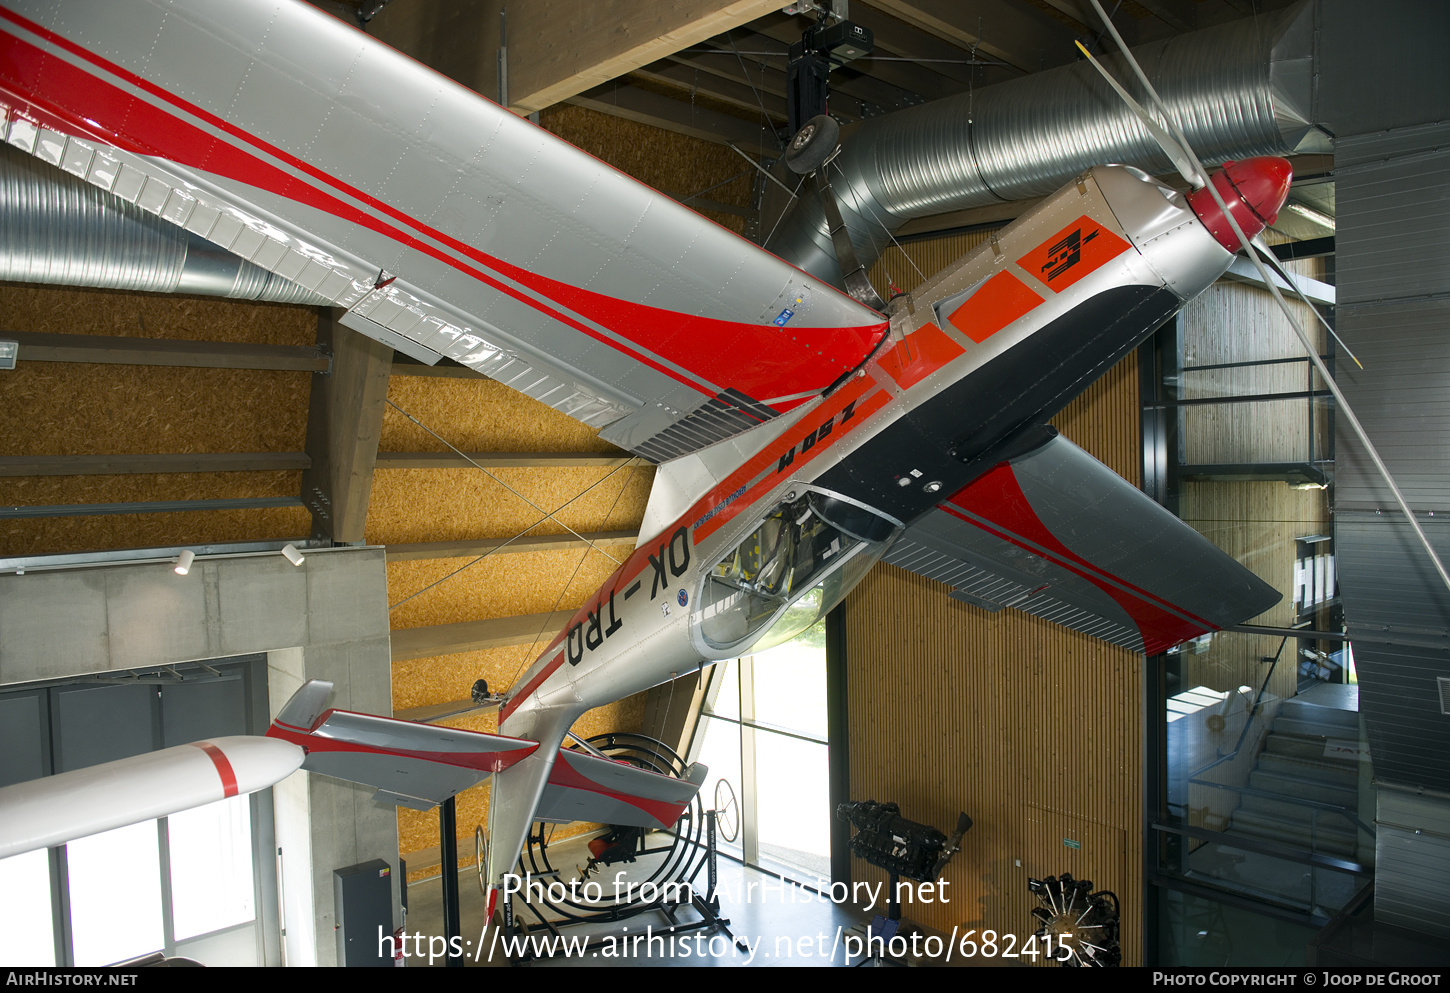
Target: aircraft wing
(443, 224)
(1057, 534)
(53, 810)
(409, 764)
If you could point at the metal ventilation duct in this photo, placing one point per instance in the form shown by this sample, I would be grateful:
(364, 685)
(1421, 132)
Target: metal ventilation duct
(1239, 89)
(55, 228)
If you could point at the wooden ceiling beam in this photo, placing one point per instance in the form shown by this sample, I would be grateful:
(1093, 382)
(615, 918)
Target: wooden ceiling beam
(866, 89)
(501, 460)
(471, 548)
(117, 465)
(621, 98)
(937, 54)
(917, 83)
(1016, 33)
(474, 636)
(113, 350)
(692, 80)
(406, 365)
(556, 49)
(344, 426)
(727, 65)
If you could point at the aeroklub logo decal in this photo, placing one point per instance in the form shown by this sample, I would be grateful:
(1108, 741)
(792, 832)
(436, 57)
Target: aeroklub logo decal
(1072, 253)
(1066, 253)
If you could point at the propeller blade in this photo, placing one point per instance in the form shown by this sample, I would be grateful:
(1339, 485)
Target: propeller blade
(1165, 140)
(1268, 256)
(1241, 242)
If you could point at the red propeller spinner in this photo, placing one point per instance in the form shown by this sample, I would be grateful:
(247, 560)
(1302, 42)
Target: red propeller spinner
(1254, 190)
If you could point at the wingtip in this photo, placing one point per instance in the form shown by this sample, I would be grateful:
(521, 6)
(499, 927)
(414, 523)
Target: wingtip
(306, 705)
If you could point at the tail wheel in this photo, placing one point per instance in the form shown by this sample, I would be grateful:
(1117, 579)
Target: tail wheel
(675, 857)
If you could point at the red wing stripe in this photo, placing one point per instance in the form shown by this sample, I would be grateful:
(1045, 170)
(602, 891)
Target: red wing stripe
(565, 775)
(671, 343)
(1158, 627)
(1012, 518)
(1129, 597)
(492, 759)
(223, 767)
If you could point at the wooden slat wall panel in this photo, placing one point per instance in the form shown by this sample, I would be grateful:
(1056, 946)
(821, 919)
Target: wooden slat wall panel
(1031, 729)
(1232, 322)
(83, 408)
(911, 264)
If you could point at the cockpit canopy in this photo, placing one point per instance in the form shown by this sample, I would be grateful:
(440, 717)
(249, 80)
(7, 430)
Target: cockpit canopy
(798, 563)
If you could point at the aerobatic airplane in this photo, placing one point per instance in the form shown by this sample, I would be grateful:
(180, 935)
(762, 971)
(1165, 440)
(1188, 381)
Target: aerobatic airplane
(803, 436)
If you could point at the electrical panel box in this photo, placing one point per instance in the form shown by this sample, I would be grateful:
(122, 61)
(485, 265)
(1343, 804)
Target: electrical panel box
(363, 902)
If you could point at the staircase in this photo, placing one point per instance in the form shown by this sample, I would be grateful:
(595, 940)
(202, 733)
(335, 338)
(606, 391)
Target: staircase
(1293, 766)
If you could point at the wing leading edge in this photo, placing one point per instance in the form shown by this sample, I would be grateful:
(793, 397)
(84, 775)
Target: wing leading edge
(1059, 535)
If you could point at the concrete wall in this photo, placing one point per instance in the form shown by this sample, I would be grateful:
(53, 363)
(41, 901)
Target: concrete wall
(327, 619)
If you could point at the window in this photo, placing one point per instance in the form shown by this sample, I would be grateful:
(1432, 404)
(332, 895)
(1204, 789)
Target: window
(763, 732)
(797, 564)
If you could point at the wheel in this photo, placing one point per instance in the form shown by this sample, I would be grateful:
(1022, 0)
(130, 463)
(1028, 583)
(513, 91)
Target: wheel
(812, 145)
(480, 849)
(727, 811)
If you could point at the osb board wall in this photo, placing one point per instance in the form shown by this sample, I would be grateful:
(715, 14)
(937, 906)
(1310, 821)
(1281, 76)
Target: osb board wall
(83, 409)
(411, 505)
(1031, 729)
(671, 163)
(478, 415)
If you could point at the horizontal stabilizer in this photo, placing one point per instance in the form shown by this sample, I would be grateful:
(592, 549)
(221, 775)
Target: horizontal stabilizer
(1057, 534)
(412, 765)
(585, 787)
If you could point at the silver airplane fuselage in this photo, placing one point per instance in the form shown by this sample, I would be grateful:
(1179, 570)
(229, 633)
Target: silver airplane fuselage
(978, 359)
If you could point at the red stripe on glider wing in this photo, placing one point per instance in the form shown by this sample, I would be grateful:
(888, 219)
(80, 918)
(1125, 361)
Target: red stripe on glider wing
(224, 769)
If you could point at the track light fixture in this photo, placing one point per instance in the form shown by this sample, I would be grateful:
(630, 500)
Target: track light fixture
(292, 554)
(184, 560)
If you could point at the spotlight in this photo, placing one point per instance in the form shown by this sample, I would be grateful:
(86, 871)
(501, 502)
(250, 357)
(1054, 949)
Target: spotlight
(184, 560)
(292, 554)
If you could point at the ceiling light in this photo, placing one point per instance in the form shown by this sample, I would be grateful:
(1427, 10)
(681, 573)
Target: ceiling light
(184, 560)
(292, 554)
(1310, 214)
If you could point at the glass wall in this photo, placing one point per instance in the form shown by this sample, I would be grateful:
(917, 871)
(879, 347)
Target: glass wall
(187, 885)
(1259, 773)
(762, 732)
